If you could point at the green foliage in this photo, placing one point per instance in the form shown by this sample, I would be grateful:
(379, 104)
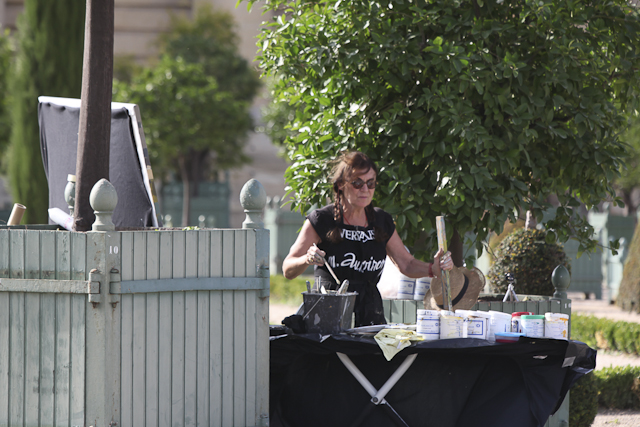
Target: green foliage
(606, 334)
(530, 258)
(474, 110)
(6, 53)
(619, 387)
(583, 401)
(284, 291)
(195, 101)
(48, 62)
(629, 292)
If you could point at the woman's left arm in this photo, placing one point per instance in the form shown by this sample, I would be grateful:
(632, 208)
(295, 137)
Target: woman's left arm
(409, 266)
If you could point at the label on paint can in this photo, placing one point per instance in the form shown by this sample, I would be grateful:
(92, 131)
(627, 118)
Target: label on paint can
(406, 286)
(423, 285)
(428, 324)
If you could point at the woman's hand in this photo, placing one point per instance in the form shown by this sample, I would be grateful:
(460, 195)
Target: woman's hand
(315, 255)
(442, 261)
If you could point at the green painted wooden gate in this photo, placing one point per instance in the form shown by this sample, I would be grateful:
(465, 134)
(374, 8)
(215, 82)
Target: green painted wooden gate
(135, 328)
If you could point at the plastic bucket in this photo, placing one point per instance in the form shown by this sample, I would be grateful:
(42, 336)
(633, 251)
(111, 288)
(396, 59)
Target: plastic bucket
(532, 325)
(515, 320)
(428, 324)
(476, 323)
(556, 325)
(500, 323)
(406, 286)
(328, 313)
(450, 325)
(423, 285)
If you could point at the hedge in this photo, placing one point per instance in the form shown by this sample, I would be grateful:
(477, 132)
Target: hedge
(606, 334)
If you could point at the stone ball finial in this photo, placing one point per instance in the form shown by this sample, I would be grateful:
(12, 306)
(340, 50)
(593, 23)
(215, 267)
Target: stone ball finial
(70, 193)
(561, 279)
(253, 199)
(103, 200)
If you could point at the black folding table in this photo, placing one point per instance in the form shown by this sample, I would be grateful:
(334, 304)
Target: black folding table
(447, 383)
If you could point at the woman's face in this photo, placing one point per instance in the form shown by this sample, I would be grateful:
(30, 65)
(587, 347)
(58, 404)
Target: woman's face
(359, 198)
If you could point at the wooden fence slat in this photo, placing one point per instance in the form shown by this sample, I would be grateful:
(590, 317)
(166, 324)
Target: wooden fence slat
(139, 356)
(16, 254)
(177, 361)
(32, 356)
(203, 359)
(165, 331)
(139, 255)
(79, 256)
(152, 385)
(126, 248)
(204, 254)
(47, 357)
(153, 256)
(16, 348)
(179, 254)
(252, 339)
(228, 253)
(190, 354)
(76, 407)
(191, 251)
(228, 361)
(47, 254)
(32, 254)
(215, 367)
(4, 344)
(63, 255)
(63, 360)
(216, 253)
(240, 355)
(126, 357)
(4, 258)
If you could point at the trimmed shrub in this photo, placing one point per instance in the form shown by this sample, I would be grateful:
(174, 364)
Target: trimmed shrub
(583, 401)
(606, 334)
(619, 387)
(530, 259)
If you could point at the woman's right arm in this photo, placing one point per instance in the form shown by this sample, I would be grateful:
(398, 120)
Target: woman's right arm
(301, 254)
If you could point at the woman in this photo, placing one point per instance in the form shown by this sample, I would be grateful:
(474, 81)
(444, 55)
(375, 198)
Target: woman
(355, 238)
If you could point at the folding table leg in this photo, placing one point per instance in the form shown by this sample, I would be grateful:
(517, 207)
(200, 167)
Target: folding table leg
(377, 396)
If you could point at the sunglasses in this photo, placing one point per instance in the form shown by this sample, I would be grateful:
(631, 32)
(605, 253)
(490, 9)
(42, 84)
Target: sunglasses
(358, 184)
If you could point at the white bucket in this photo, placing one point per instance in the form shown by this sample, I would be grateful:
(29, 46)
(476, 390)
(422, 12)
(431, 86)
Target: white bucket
(428, 324)
(476, 323)
(405, 287)
(500, 322)
(556, 325)
(532, 325)
(423, 285)
(450, 325)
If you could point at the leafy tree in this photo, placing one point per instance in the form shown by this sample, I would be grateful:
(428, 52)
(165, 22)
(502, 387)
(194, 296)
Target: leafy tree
(630, 171)
(195, 102)
(476, 110)
(48, 62)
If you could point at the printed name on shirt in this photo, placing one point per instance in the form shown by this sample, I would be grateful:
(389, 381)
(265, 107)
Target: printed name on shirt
(358, 235)
(351, 261)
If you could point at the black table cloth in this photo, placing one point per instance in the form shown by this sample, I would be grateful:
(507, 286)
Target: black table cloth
(452, 383)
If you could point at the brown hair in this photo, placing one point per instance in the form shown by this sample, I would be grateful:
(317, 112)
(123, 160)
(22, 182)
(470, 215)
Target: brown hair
(342, 172)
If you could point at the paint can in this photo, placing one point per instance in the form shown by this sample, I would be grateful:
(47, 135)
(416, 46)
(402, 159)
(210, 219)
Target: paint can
(556, 325)
(423, 285)
(428, 324)
(450, 325)
(532, 325)
(406, 286)
(475, 323)
(500, 322)
(515, 320)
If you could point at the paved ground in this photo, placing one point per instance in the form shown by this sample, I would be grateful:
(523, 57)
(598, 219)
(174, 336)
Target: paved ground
(598, 308)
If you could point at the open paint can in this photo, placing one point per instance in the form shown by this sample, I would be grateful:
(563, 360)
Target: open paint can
(556, 325)
(450, 325)
(428, 324)
(328, 313)
(533, 325)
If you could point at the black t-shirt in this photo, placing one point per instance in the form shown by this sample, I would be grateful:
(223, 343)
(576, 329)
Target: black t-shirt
(358, 257)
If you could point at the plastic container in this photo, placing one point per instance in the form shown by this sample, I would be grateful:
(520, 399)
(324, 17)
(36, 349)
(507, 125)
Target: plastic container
(406, 285)
(556, 325)
(500, 322)
(423, 285)
(515, 320)
(428, 324)
(532, 325)
(450, 325)
(328, 313)
(508, 337)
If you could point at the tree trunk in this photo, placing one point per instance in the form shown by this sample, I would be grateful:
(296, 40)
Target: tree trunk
(94, 132)
(530, 222)
(456, 249)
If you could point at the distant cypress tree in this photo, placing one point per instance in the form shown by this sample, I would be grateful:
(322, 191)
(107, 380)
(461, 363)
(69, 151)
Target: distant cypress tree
(48, 63)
